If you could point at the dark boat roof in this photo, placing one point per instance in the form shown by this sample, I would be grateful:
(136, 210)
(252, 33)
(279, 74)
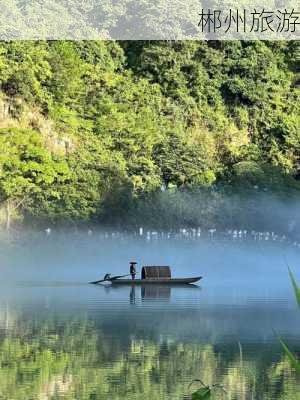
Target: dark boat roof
(156, 272)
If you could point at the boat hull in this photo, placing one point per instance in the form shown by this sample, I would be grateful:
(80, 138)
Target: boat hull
(161, 281)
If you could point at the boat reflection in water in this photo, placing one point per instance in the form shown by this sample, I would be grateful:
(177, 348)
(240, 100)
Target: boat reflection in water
(155, 292)
(152, 293)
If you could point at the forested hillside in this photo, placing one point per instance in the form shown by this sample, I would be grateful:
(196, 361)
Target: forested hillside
(104, 131)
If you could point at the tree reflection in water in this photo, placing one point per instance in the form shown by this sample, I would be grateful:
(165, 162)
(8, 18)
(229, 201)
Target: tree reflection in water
(75, 359)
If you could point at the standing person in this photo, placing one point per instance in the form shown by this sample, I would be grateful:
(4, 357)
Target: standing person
(133, 270)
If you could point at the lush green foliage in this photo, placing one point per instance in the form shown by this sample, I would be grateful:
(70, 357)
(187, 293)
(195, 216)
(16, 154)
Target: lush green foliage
(105, 123)
(295, 287)
(291, 357)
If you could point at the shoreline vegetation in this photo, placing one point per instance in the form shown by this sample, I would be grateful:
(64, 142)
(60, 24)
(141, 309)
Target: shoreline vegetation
(163, 134)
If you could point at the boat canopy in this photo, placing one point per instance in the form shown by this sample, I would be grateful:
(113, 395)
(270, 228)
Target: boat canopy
(156, 272)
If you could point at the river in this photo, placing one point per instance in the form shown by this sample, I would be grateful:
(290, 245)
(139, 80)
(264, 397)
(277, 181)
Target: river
(61, 338)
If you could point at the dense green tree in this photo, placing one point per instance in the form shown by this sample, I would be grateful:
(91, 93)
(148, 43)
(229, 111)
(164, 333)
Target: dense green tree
(27, 169)
(139, 117)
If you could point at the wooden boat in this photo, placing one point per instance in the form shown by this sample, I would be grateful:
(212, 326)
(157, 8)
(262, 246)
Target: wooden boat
(151, 275)
(160, 281)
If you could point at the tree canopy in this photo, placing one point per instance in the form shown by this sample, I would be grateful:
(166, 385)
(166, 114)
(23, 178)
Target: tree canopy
(89, 127)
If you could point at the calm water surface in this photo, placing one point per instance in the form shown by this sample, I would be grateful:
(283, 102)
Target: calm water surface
(61, 338)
